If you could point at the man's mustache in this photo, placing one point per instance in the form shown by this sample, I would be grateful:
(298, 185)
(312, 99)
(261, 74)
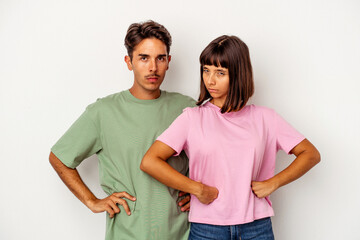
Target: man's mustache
(152, 75)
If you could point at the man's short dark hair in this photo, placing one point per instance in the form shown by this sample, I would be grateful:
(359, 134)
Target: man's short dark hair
(149, 29)
(231, 53)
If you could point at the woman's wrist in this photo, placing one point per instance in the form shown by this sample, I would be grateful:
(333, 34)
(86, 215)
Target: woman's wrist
(198, 189)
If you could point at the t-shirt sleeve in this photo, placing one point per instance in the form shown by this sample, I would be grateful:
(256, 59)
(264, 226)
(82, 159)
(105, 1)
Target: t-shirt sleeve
(79, 142)
(177, 133)
(287, 137)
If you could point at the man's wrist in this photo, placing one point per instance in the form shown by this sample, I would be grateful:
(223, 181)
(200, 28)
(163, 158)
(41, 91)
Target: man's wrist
(90, 202)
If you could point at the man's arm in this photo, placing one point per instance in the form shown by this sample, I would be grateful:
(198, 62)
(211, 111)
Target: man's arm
(73, 181)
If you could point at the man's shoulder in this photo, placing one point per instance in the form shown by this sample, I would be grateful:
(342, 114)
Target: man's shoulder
(175, 97)
(106, 101)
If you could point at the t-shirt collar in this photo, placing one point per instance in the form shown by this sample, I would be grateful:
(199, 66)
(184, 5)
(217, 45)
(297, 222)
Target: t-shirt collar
(131, 97)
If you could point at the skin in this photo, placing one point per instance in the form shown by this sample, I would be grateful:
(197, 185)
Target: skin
(149, 65)
(216, 80)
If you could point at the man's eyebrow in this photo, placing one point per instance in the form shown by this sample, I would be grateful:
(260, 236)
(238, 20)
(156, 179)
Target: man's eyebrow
(147, 55)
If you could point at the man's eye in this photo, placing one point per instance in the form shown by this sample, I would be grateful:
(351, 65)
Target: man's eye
(143, 58)
(161, 59)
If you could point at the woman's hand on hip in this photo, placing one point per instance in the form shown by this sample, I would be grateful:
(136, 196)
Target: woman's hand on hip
(263, 189)
(207, 194)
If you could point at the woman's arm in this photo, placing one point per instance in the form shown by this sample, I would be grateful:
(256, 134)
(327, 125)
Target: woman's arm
(154, 163)
(307, 156)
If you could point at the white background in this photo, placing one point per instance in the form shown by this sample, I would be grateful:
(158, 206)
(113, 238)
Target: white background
(56, 57)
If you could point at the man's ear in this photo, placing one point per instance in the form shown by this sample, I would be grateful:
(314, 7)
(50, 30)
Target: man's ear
(169, 59)
(128, 63)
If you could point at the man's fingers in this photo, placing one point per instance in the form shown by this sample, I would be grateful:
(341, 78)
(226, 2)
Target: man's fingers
(110, 211)
(124, 204)
(126, 208)
(115, 208)
(124, 195)
(181, 193)
(184, 200)
(186, 207)
(110, 204)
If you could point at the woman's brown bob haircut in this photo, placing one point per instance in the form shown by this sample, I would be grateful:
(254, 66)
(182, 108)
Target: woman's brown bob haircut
(149, 29)
(231, 53)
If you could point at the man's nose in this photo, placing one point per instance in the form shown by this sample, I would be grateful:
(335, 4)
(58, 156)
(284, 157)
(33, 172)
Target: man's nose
(153, 65)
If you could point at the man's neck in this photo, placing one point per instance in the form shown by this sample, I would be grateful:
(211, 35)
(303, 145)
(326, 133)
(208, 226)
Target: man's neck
(145, 95)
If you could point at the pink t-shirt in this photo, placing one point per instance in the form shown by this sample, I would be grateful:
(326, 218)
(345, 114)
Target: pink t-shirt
(228, 151)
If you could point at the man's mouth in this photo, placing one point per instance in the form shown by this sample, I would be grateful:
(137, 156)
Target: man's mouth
(152, 78)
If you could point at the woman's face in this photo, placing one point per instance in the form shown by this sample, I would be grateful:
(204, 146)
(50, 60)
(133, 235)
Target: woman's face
(216, 80)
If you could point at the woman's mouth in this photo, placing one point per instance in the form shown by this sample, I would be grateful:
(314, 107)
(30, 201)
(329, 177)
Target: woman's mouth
(211, 90)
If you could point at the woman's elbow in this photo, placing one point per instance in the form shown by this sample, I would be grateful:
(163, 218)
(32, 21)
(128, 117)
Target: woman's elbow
(144, 165)
(317, 156)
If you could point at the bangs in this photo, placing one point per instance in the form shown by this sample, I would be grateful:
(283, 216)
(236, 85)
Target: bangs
(215, 56)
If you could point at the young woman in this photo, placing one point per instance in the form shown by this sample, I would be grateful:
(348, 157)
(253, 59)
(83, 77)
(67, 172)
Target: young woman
(231, 148)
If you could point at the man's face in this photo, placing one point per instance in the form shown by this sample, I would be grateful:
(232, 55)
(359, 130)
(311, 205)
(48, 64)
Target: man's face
(149, 64)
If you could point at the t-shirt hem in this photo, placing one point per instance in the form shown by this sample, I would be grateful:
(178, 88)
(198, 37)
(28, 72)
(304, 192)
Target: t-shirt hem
(177, 152)
(295, 143)
(227, 222)
(62, 159)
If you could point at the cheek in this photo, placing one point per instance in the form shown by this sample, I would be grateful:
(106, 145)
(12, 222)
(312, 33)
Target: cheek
(204, 79)
(205, 82)
(164, 67)
(224, 86)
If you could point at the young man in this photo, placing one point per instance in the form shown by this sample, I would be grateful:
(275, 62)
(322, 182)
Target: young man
(119, 129)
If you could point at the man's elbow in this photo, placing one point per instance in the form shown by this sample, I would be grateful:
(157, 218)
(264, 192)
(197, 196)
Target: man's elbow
(52, 158)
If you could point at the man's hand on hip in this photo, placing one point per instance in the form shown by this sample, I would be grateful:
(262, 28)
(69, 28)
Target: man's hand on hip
(109, 204)
(184, 203)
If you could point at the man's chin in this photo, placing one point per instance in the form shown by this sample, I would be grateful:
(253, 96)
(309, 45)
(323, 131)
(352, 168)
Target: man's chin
(153, 86)
(152, 89)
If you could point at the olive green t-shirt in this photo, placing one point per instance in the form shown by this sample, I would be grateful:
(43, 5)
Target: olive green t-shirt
(119, 129)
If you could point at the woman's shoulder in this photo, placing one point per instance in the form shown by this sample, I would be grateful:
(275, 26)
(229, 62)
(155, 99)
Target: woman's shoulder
(195, 112)
(192, 110)
(259, 110)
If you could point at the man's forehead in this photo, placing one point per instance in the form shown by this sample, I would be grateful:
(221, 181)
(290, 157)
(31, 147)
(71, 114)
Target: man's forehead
(150, 46)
